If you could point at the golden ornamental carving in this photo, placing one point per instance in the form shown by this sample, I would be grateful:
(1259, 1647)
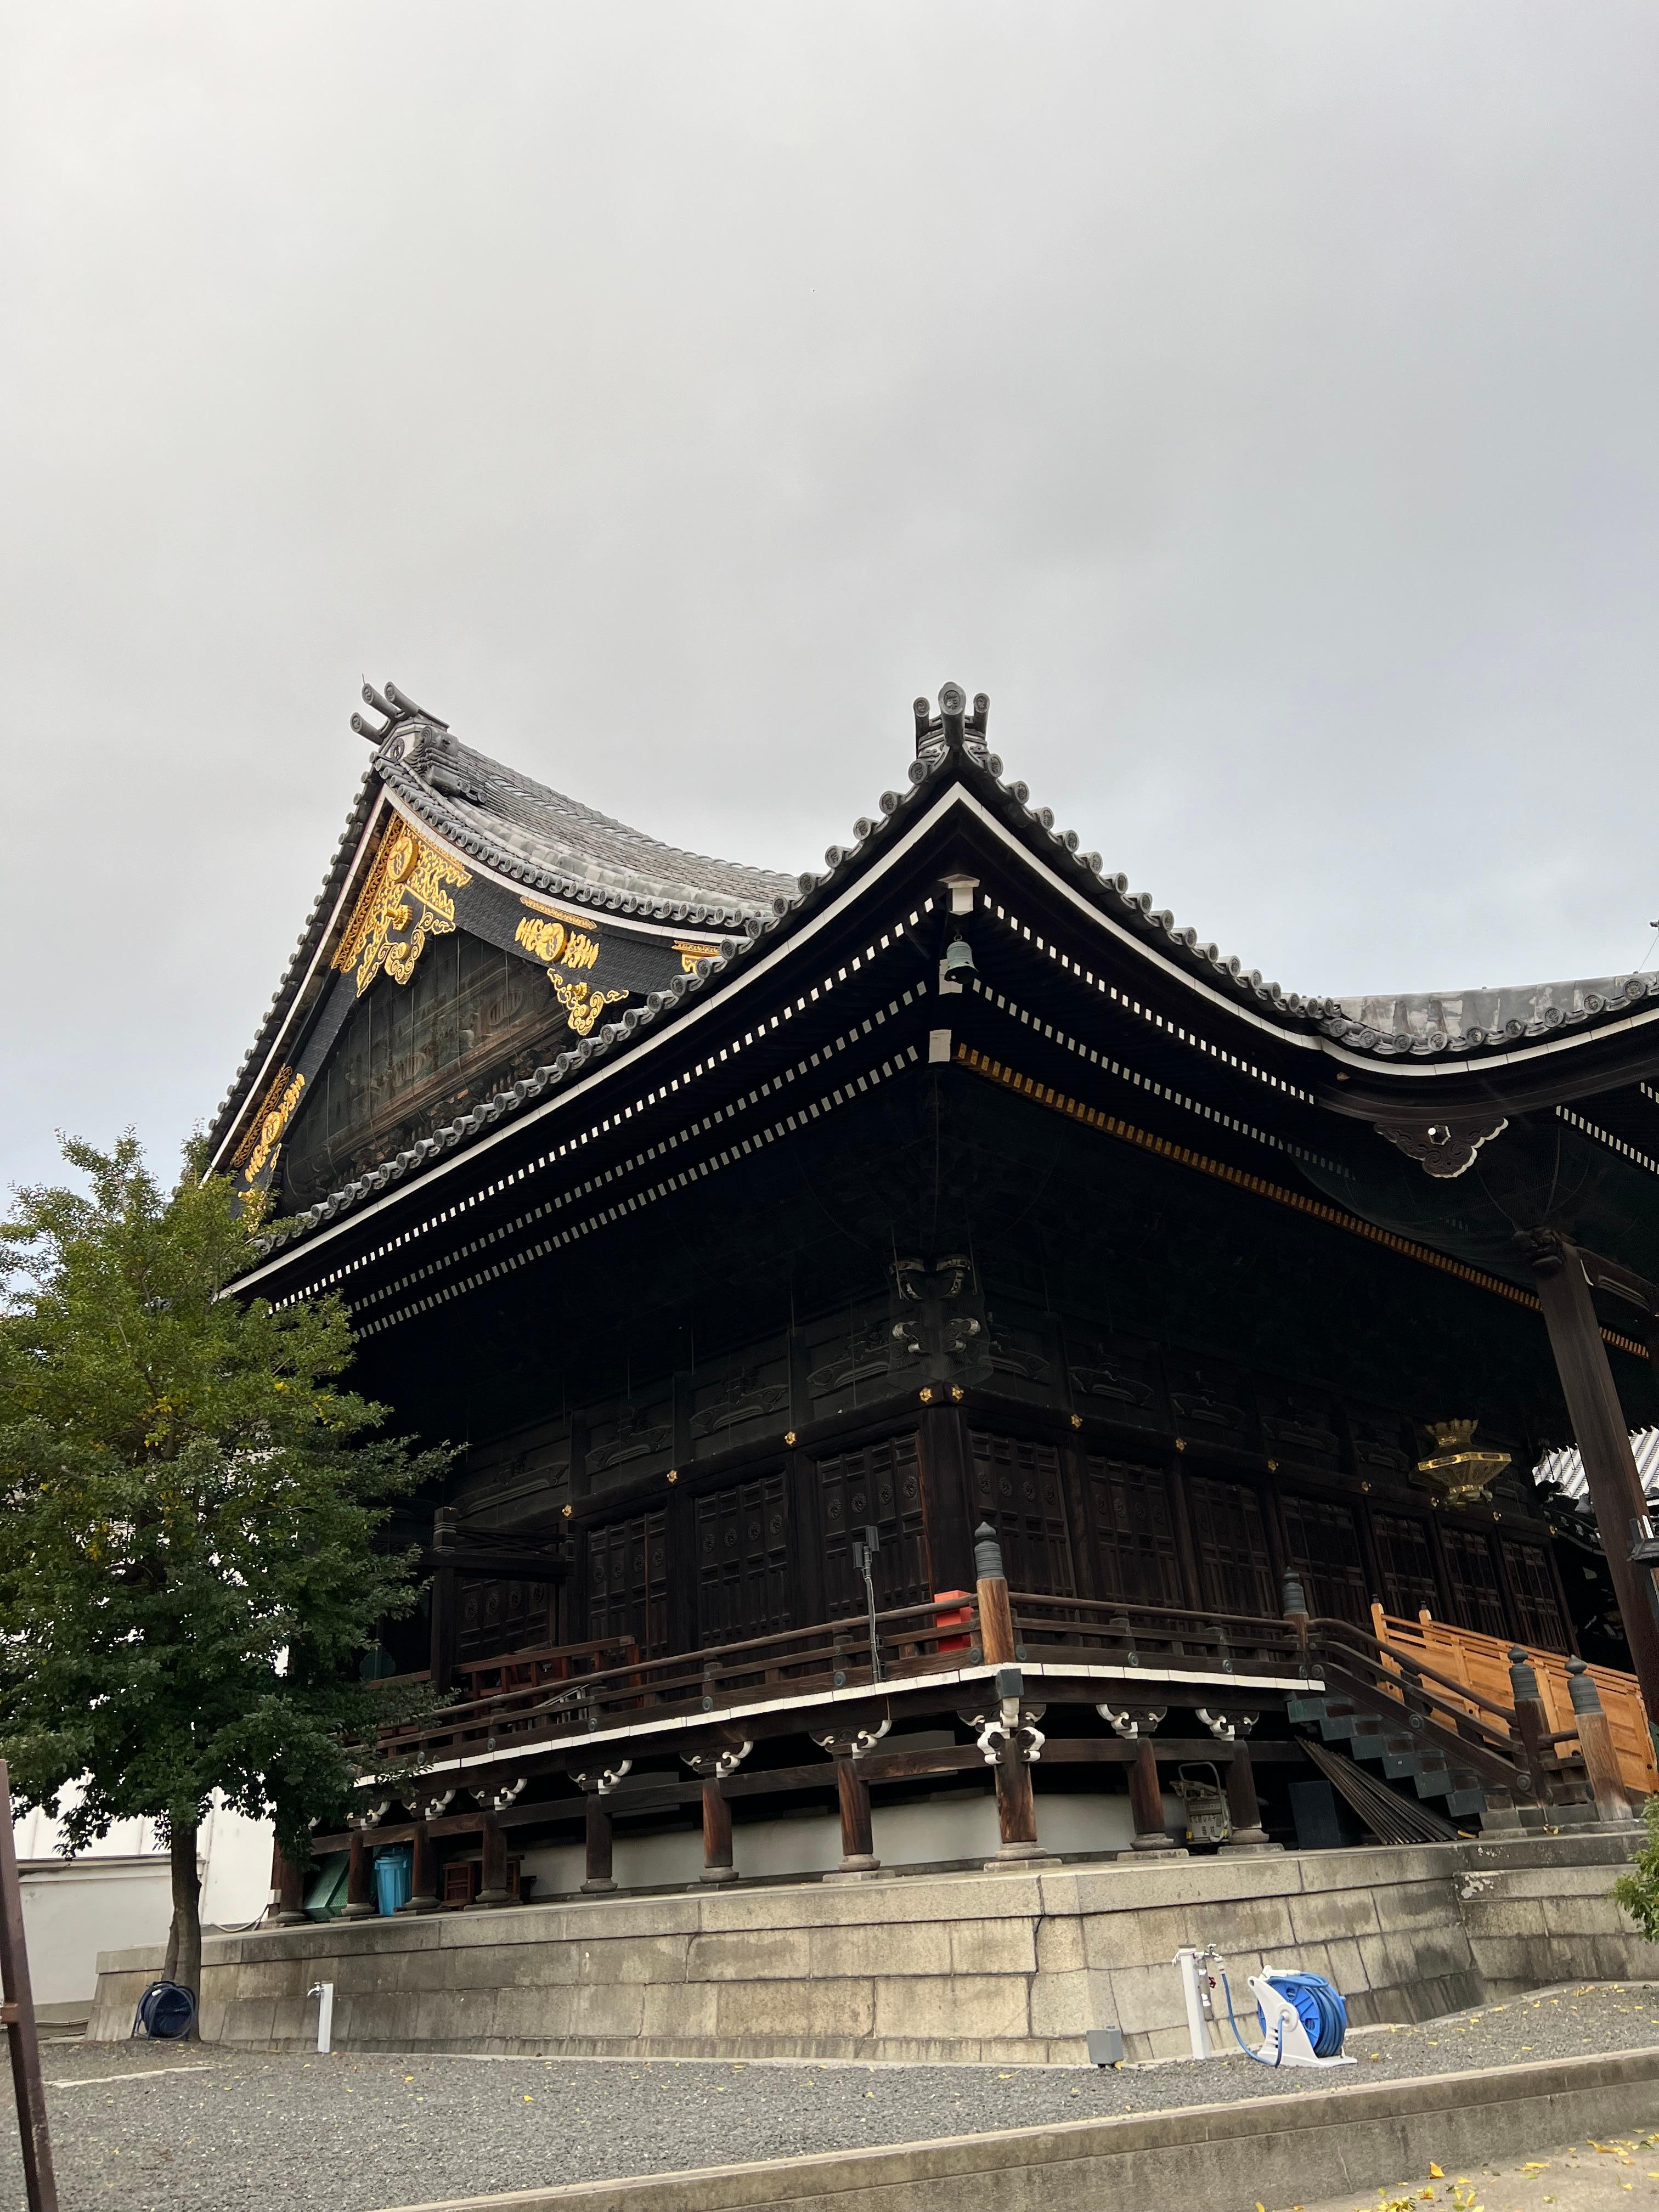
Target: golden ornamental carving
(405, 900)
(264, 1133)
(582, 1003)
(552, 941)
(690, 954)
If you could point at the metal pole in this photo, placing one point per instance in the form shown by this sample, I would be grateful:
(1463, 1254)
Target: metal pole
(866, 1550)
(18, 2013)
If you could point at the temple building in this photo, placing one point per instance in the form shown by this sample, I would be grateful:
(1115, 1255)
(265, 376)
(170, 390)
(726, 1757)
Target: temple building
(936, 1320)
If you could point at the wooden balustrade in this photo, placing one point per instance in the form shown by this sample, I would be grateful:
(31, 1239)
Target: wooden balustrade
(911, 1641)
(1479, 1665)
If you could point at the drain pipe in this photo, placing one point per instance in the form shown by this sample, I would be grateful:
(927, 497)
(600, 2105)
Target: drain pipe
(324, 1992)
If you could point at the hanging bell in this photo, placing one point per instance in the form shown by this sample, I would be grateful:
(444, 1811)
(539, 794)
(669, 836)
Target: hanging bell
(959, 960)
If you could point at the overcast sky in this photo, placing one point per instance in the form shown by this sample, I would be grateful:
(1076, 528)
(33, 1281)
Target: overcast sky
(1258, 399)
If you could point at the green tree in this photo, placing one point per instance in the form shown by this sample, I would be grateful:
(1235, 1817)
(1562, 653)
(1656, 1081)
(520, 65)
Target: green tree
(188, 1508)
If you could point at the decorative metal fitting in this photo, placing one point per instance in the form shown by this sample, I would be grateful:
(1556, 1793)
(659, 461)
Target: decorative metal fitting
(505, 1793)
(715, 1765)
(601, 1784)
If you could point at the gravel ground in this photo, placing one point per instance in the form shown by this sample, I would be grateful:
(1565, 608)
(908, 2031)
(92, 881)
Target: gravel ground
(1580, 2177)
(149, 2127)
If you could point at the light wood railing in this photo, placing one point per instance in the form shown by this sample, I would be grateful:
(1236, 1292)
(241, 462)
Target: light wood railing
(1481, 1664)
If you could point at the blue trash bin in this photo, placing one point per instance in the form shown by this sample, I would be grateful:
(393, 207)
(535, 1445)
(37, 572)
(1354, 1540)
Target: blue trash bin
(394, 1876)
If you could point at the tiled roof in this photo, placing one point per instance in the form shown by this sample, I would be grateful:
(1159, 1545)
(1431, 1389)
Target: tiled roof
(536, 836)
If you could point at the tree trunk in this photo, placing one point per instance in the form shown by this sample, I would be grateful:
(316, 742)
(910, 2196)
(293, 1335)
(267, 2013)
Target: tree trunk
(185, 1943)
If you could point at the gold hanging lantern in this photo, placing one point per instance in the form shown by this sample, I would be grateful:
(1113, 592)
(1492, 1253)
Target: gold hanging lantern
(1456, 1473)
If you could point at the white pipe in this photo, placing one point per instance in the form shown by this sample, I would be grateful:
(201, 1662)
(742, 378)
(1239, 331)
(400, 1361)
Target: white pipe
(1198, 2033)
(324, 1992)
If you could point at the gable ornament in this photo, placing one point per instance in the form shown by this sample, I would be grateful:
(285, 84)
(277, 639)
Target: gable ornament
(405, 900)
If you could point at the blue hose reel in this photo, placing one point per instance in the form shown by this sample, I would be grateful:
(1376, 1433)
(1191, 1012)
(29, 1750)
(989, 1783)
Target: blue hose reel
(1310, 2002)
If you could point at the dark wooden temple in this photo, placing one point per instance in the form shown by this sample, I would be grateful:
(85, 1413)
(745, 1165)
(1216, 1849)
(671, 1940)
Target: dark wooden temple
(720, 1215)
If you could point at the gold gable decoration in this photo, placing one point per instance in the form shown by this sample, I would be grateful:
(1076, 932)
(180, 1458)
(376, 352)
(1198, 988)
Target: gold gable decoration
(690, 953)
(405, 900)
(264, 1133)
(549, 934)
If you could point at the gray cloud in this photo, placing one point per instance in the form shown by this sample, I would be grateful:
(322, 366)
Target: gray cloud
(1259, 402)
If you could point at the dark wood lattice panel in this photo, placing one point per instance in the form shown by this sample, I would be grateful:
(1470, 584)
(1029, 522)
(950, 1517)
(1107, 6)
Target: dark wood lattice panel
(1017, 1489)
(1235, 1566)
(743, 1562)
(1535, 1601)
(1134, 1532)
(1477, 1601)
(1410, 1585)
(503, 1616)
(881, 1486)
(628, 1582)
(1324, 1548)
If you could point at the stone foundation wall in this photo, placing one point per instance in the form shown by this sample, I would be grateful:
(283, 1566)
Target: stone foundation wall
(1007, 1967)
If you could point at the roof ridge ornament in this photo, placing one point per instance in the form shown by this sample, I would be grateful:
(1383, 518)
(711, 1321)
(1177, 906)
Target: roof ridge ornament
(954, 729)
(397, 707)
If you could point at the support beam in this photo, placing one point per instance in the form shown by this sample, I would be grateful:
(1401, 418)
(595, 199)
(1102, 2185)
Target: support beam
(492, 1879)
(1244, 1807)
(857, 1842)
(716, 1833)
(1602, 1435)
(288, 1891)
(1146, 1802)
(424, 1880)
(599, 1845)
(359, 1879)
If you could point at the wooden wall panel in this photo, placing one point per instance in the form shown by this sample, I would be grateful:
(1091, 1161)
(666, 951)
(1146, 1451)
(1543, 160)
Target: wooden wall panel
(627, 1581)
(1017, 1487)
(1533, 1587)
(1132, 1523)
(880, 1484)
(742, 1551)
(1477, 1598)
(1235, 1566)
(1323, 1544)
(1410, 1585)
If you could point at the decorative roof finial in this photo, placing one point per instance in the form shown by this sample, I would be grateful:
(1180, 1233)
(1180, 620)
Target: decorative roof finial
(398, 706)
(953, 728)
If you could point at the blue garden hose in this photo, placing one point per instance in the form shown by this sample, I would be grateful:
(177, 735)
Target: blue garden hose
(1319, 2007)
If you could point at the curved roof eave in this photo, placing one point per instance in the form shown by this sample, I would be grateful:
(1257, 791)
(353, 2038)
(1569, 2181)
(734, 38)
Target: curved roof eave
(408, 761)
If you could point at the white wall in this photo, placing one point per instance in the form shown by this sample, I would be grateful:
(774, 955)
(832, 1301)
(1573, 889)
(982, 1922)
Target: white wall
(118, 1892)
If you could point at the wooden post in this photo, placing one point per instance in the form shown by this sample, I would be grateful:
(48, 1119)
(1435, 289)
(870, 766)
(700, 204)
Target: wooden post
(1016, 1803)
(1595, 1741)
(423, 1875)
(598, 1837)
(1532, 1724)
(360, 1880)
(996, 1618)
(446, 1600)
(39, 2184)
(858, 1843)
(716, 1832)
(1146, 1800)
(492, 1882)
(1243, 1807)
(1602, 1435)
(288, 1891)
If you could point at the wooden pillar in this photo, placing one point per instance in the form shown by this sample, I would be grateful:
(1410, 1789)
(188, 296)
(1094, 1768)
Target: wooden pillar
(1602, 1435)
(28, 2091)
(288, 1891)
(945, 1466)
(1146, 1800)
(598, 1839)
(1016, 1803)
(1595, 1741)
(359, 1879)
(857, 1842)
(424, 1879)
(1532, 1725)
(492, 1882)
(1243, 1807)
(446, 1601)
(996, 1619)
(716, 1832)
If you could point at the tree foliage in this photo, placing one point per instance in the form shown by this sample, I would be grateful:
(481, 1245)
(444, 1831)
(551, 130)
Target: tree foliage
(188, 1507)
